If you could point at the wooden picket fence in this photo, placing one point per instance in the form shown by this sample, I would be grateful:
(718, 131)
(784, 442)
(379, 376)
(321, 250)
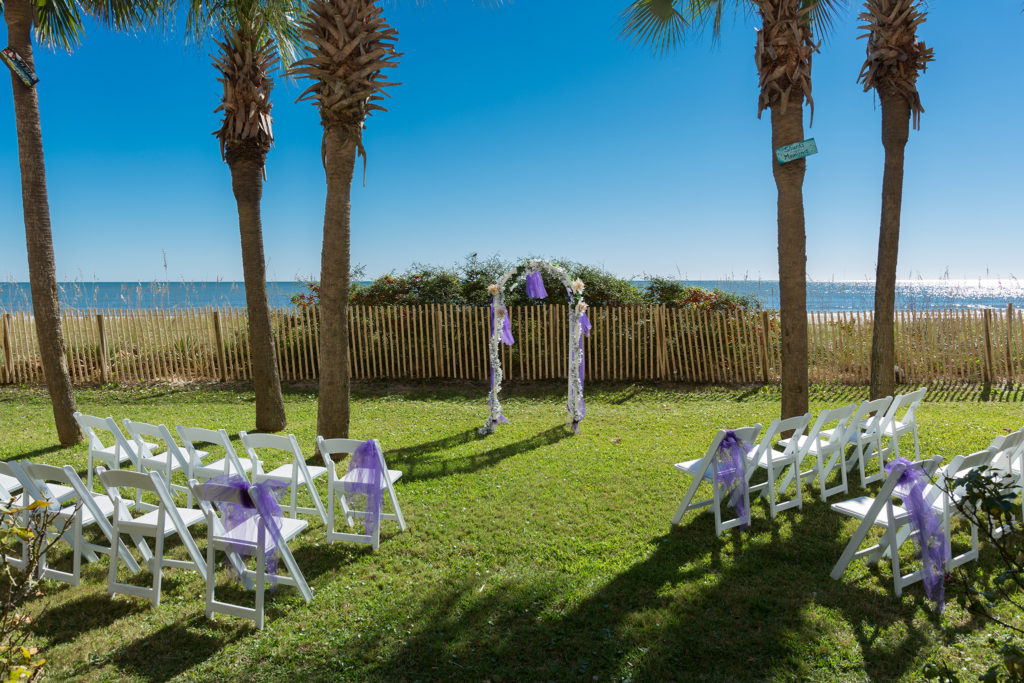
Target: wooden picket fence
(446, 341)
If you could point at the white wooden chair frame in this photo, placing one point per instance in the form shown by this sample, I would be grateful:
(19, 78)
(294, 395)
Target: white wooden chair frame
(296, 473)
(336, 493)
(163, 521)
(893, 427)
(172, 459)
(217, 538)
(864, 433)
(10, 485)
(828, 447)
(775, 463)
(880, 511)
(84, 508)
(705, 469)
(229, 464)
(113, 456)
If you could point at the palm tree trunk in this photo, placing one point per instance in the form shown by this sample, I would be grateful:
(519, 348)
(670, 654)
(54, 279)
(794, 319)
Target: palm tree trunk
(42, 271)
(895, 132)
(787, 128)
(247, 183)
(339, 163)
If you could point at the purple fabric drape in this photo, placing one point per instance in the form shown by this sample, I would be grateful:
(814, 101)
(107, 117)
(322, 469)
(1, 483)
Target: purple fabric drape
(929, 540)
(364, 478)
(731, 459)
(535, 286)
(259, 501)
(581, 403)
(508, 340)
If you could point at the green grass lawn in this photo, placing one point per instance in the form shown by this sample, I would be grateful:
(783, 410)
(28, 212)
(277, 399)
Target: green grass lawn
(531, 554)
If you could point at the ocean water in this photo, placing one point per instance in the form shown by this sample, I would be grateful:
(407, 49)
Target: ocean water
(821, 296)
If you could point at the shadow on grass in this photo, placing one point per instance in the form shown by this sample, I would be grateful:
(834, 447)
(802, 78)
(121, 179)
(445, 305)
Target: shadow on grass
(416, 469)
(38, 452)
(74, 618)
(164, 654)
(716, 609)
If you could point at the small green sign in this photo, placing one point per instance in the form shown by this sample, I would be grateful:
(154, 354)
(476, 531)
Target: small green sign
(797, 150)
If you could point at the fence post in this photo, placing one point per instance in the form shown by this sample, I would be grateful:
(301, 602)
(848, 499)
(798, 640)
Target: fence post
(1011, 371)
(104, 352)
(8, 376)
(765, 348)
(222, 363)
(986, 329)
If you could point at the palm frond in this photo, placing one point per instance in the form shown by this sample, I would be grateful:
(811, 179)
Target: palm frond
(656, 23)
(59, 25)
(823, 14)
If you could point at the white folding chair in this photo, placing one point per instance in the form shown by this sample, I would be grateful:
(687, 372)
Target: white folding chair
(159, 523)
(82, 507)
(202, 469)
(895, 426)
(882, 512)
(704, 469)
(826, 442)
(167, 461)
(336, 492)
(112, 456)
(776, 463)
(10, 485)
(296, 473)
(864, 433)
(1009, 458)
(251, 536)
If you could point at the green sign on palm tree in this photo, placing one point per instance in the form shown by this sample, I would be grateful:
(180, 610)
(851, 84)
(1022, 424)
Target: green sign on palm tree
(58, 24)
(783, 53)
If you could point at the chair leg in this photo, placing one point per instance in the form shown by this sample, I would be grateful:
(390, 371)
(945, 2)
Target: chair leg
(917, 446)
(398, 509)
(158, 566)
(261, 567)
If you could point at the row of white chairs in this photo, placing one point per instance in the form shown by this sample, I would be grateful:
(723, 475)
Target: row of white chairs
(124, 509)
(862, 426)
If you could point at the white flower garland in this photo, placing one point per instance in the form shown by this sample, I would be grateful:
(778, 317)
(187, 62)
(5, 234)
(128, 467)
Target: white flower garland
(577, 307)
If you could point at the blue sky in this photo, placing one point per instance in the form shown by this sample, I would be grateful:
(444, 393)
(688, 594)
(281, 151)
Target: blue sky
(532, 128)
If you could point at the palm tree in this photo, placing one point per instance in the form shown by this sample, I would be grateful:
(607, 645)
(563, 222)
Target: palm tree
(350, 44)
(894, 60)
(248, 56)
(58, 24)
(785, 46)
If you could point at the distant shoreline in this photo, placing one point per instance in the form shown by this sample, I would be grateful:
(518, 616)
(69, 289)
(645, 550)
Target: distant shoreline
(828, 296)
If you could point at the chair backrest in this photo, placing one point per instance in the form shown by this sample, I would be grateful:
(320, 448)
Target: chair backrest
(869, 416)
(331, 447)
(90, 424)
(10, 481)
(909, 402)
(796, 424)
(842, 417)
(1008, 449)
(139, 430)
(218, 437)
(39, 475)
(277, 442)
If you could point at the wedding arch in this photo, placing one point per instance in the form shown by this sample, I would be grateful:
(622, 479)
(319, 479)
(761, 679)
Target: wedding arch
(501, 333)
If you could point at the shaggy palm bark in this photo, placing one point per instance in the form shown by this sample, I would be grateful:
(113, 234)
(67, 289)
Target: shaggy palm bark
(783, 55)
(38, 235)
(245, 136)
(350, 44)
(895, 58)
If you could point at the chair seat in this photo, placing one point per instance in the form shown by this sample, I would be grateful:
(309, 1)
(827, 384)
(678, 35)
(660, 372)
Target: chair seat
(691, 466)
(247, 533)
(217, 468)
(897, 427)
(60, 492)
(858, 507)
(776, 457)
(146, 524)
(108, 452)
(160, 461)
(284, 472)
(394, 475)
(105, 505)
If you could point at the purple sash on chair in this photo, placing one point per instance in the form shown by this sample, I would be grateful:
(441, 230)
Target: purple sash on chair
(364, 478)
(731, 459)
(256, 498)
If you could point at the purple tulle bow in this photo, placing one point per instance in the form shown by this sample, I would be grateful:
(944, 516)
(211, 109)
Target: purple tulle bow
(364, 478)
(535, 286)
(581, 403)
(731, 459)
(258, 502)
(929, 540)
(508, 340)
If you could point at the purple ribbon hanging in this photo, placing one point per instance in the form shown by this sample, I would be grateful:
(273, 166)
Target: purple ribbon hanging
(508, 340)
(581, 403)
(731, 459)
(364, 478)
(257, 502)
(535, 286)
(929, 540)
